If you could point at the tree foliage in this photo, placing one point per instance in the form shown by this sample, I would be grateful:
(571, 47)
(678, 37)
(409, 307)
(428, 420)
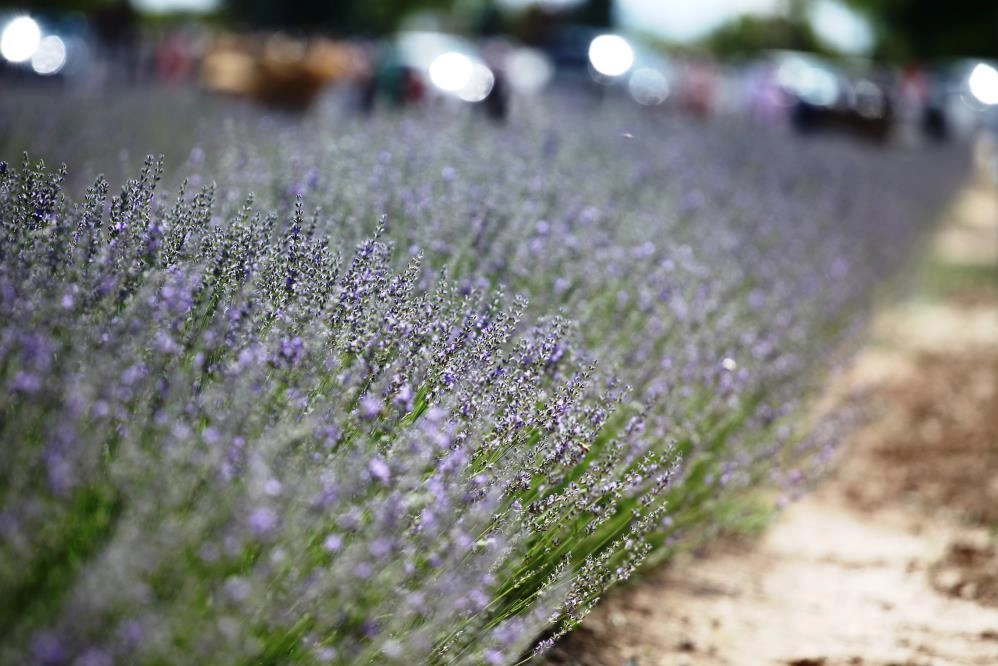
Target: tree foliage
(749, 34)
(928, 29)
(344, 16)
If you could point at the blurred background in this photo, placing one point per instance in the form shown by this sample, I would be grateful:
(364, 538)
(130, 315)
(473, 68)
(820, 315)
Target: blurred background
(879, 70)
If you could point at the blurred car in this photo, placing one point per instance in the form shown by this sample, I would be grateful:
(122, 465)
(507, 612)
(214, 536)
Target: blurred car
(822, 96)
(962, 98)
(646, 76)
(278, 69)
(417, 66)
(610, 62)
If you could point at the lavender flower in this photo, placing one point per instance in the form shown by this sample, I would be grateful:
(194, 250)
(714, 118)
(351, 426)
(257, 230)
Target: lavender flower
(365, 422)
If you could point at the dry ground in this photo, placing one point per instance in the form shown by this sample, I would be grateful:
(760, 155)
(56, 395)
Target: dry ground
(894, 560)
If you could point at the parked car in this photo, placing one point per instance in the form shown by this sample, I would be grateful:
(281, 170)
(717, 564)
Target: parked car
(278, 69)
(962, 98)
(419, 65)
(824, 96)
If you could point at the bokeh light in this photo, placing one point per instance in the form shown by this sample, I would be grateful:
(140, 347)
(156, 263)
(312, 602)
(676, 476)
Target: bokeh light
(648, 86)
(50, 56)
(611, 55)
(479, 84)
(811, 82)
(529, 70)
(20, 39)
(451, 71)
(869, 99)
(983, 83)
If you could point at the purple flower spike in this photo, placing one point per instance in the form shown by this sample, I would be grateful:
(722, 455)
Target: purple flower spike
(380, 470)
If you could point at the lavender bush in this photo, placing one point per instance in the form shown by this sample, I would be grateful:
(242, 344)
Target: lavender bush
(341, 404)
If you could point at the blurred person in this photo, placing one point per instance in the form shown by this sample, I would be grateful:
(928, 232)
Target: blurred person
(496, 103)
(768, 103)
(912, 100)
(173, 61)
(117, 31)
(699, 87)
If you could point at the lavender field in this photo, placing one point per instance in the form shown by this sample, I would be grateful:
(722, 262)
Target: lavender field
(410, 388)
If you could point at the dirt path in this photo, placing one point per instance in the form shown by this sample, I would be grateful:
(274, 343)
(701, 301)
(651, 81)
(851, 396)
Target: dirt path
(892, 561)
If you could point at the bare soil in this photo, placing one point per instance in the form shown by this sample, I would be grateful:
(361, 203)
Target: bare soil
(893, 561)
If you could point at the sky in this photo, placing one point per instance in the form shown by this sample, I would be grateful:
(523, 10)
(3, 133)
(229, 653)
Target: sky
(842, 28)
(684, 20)
(176, 5)
(678, 20)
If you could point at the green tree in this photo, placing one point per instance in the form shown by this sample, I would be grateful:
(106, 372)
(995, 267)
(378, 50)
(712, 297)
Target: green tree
(598, 13)
(926, 29)
(57, 5)
(345, 16)
(749, 34)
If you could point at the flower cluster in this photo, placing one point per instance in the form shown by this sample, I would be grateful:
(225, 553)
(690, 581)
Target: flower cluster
(343, 405)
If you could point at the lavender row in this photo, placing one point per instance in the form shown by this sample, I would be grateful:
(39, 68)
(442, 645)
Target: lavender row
(336, 399)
